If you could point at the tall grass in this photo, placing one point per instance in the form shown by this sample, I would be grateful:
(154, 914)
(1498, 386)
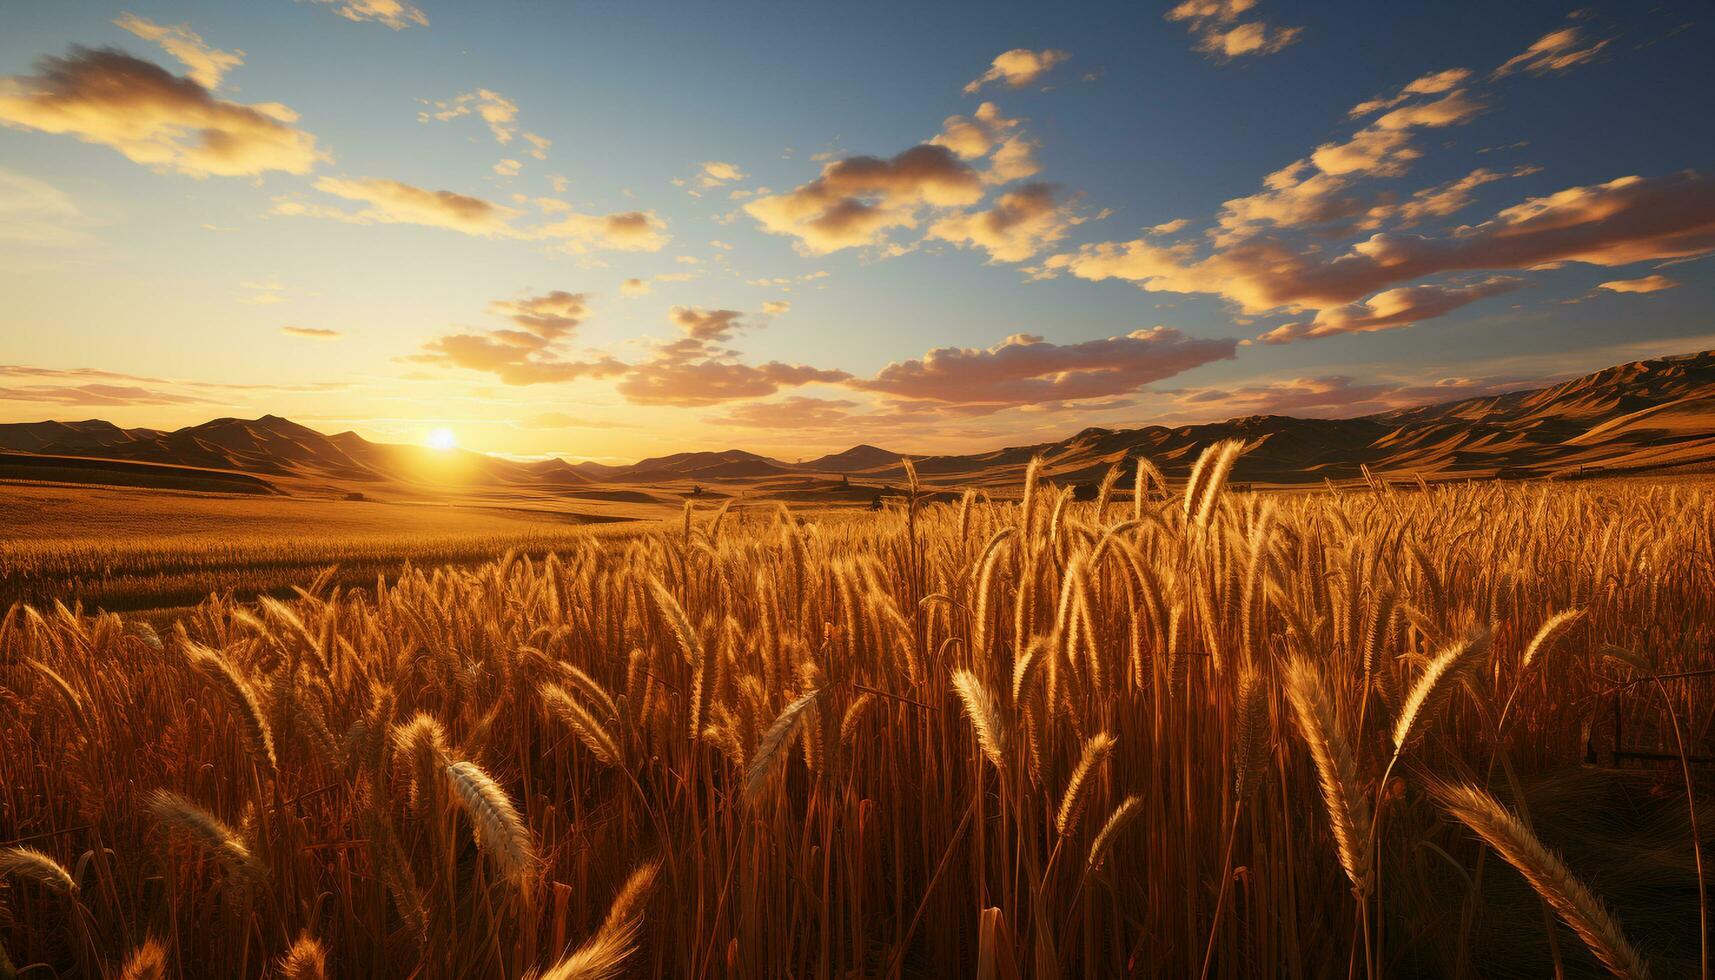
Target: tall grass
(1126, 737)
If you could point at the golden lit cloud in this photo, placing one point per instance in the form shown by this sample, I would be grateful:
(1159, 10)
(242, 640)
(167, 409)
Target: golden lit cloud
(1433, 83)
(1019, 225)
(1648, 284)
(527, 352)
(776, 307)
(394, 202)
(857, 200)
(1028, 370)
(1555, 51)
(693, 371)
(1219, 31)
(1391, 309)
(1017, 68)
(155, 118)
(310, 333)
(396, 14)
(204, 65)
(498, 111)
(791, 412)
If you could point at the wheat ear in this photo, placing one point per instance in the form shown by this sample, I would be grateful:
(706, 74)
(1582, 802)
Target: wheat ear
(306, 960)
(1096, 751)
(1513, 840)
(33, 865)
(499, 829)
(589, 731)
(146, 962)
(1348, 811)
(984, 712)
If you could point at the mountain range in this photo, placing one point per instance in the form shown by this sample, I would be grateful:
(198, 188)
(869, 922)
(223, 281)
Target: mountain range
(1644, 415)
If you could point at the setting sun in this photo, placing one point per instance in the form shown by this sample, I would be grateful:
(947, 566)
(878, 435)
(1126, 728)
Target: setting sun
(442, 439)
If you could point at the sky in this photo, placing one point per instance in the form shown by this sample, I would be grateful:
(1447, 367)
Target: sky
(609, 230)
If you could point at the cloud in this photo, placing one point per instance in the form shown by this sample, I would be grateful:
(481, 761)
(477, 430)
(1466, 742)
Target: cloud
(1020, 224)
(791, 412)
(508, 168)
(1218, 30)
(975, 135)
(622, 231)
(1028, 370)
(776, 307)
(857, 200)
(206, 65)
(1338, 396)
(35, 213)
(310, 333)
(692, 371)
(396, 14)
(1648, 284)
(155, 118)
(1433, 83)
(1440, 200)
(95, 394)
(1555, 51)
(634, 287)
(395, 202)
(714, 173)
(526, 352)
(1017, 68)
(1391, 309)
(1627, 220)
(539, 146)
(499, 112)
(1170, 227)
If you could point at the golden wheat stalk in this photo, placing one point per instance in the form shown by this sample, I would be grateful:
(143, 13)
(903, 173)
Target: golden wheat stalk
(1252, 742)
(146, 962)
(984, 712)
(178, 815)
(1337, 773)
(1096, 750)
(1433, 684)
(253, 723)
(604, 955)
(32, 865)
(1514, 841)
(779, 735)
(499, 830)
(306, 960)
(1122, 815)
(583, 724)
(1549, 635)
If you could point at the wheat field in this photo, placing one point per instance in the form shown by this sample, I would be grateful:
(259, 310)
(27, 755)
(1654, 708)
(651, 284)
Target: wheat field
(1177, 730)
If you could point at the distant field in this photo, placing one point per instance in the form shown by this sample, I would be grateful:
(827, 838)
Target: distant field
(127, 549)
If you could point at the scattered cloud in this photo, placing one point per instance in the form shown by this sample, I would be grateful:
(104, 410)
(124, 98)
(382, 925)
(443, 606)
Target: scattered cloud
(1028, 370)
(714, 173)
(776, 307)
(1434, 83)
(205, 65)
(1555, 51)
(395, 202)
(154, 117)
(527, 352)
(1017, 68)
(1627, 220)
(1219, 29)
(1391, 309)
(634, 287)
(1648, 284)
(498, 111)
(396, 14)
(508, 168)
(94, 394)
(1020, 224)
(791, 412)
(857, 200)
(311, 333)
(1339, 396)
(694, 371)
(35, 213)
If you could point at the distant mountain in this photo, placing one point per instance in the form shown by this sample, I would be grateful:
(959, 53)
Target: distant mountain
(1643, 415)
(853, 460)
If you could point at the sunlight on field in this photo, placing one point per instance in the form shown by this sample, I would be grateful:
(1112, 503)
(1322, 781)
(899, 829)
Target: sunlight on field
(1132, 736)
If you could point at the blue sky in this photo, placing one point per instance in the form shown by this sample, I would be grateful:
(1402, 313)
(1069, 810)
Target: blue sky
(154, 286)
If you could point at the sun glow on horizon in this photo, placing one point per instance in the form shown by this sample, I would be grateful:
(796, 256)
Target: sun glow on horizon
(441, 439)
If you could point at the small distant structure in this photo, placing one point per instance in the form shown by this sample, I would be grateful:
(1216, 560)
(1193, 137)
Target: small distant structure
(696, 489)
(875, 501)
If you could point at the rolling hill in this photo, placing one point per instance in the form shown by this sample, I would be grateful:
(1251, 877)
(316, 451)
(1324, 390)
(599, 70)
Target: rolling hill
(1643, 415)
